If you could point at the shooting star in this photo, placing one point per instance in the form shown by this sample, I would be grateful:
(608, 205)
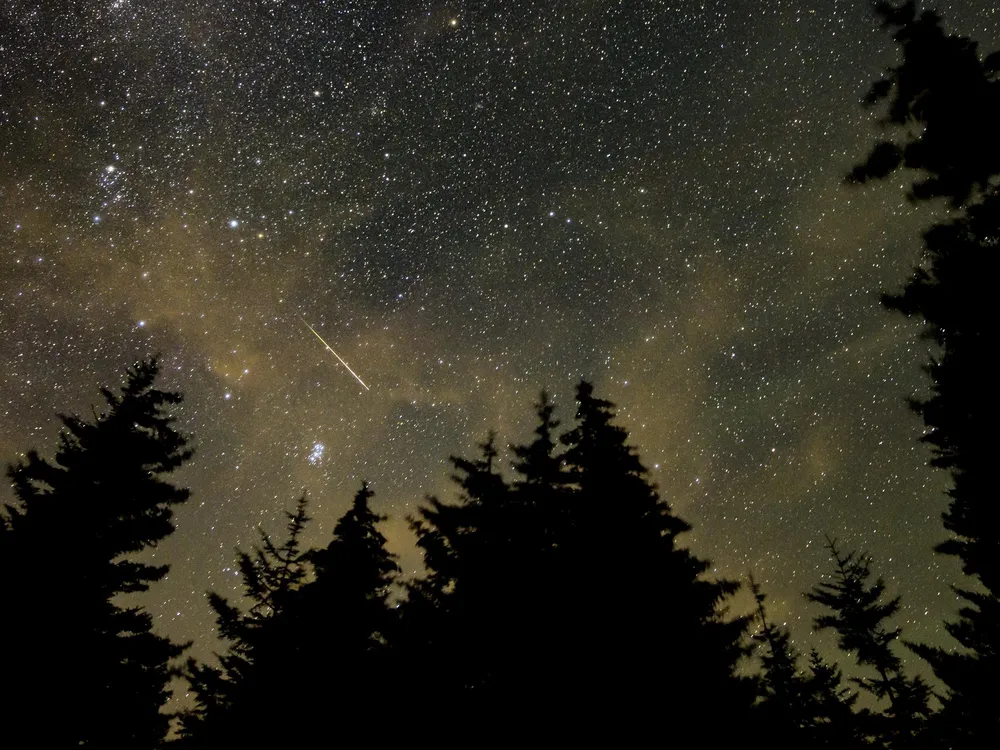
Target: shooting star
(330, 348)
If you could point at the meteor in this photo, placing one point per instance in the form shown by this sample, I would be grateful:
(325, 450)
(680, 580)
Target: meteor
(330, 348)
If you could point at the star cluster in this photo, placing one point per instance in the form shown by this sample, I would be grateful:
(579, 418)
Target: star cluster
(471, 201)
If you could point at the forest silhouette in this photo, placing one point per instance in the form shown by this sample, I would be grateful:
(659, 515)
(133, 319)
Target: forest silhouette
(557, 601)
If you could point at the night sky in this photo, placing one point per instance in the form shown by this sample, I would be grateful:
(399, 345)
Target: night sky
(470, 201)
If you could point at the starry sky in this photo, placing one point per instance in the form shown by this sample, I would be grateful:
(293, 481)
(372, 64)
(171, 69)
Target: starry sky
(470, 201)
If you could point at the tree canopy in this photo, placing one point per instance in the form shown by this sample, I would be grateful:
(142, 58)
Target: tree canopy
(67, 548)
(941, 111)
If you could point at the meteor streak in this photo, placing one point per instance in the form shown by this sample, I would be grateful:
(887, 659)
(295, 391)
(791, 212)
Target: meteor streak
(330, 348)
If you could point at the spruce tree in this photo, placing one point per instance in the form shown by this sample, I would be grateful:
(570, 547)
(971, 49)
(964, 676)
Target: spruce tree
(456, 612)
(834, 720)
(490, 618)
(247, 685)
(657, 619)
(798, 708)
(858, 616)
(782, 697)
(311, 642)
(342, 625)
(537, 464)
(79, 668)
(561, 602)
(943, 86)
(942, 113)
(540, 505)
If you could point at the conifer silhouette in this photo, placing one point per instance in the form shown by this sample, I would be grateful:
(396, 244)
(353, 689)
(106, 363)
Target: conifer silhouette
(313, 639)
(858, 616)
(834, 721)
(660, 621)
(230, 698)
(561, 600)
(537, 463)
(455, 615)
(71, 649)
(342, 623)
(800, 708)
(943, 108)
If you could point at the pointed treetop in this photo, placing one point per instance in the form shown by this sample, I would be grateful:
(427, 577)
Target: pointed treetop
(859, 612)
(536, 462)
(478, 478)
(357, 547)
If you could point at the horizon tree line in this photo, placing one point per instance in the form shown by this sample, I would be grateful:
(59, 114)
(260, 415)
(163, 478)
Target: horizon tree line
(556, 599)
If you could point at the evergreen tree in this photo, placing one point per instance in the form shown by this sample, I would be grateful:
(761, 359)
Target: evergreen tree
(312, 641)
(797, 708)
(541, 505)
(945, 86)
(230, 698)
(782, 696)
(536, 463)
(491, 611)
(342, 624)
(657, 619)
(834, 721)
(356, 563)
(70, 647)
(859, 617)
(459, 618)
(539, 500)
(561, 601)
(952, 94)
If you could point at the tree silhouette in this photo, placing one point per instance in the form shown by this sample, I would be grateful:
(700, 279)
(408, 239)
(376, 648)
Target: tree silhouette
(311, 641)
(834, 721)
(943, 110)
(644, 598)
(342, 622)
(783, 703)
(456, 613)
(798, 708)
(561, 600)
(536, 463)
(66, 552)
(944, 86)
(247, 684)
(859, 617)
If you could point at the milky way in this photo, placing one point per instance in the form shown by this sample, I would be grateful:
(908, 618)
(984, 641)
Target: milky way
(473, 201)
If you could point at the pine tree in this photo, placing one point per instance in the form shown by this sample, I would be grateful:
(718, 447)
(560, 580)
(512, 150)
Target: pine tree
(342, 624)
(66, 552)
(536, 462)
(797, 708)
(456, 612)
(782, 701)
(356, 564)
(541, 504)
(946, 87)
(489, 615)
(561, 602)
(951, 94)
(835, 722)
(955, 97)
(647, 601)
(859, 617)
(312, 641)
(247, 684)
